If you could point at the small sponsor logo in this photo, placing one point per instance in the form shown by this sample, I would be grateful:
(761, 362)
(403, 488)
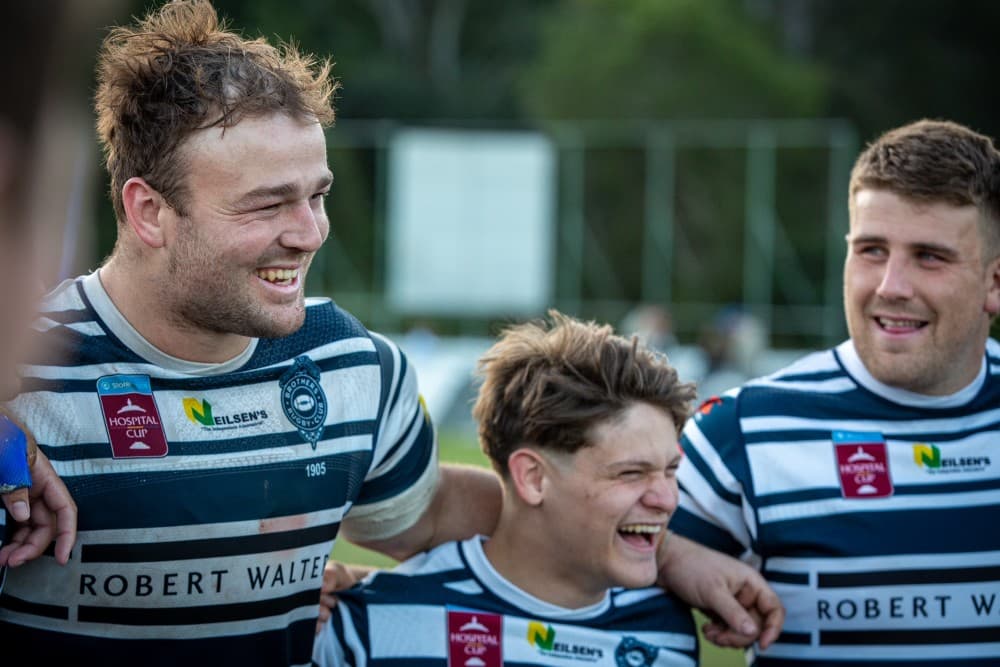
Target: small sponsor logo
(200, 412)
(632, 652)
(928, 457)
(543, 638)
(303, 400)
(475, 639)
(131, 417)
(863, 464)
(709, 404)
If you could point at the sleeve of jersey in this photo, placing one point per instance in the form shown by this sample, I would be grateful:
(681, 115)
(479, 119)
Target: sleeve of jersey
(403, 475)
(713, 506)
(343, 640)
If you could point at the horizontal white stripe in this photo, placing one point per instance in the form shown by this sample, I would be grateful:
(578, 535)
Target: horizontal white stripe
(832, 386)
(626, 598)
(172, 584)
(815, 508)
(208, 531)
(426, 631)
(812, 464)
(888, 428)
(212, 462)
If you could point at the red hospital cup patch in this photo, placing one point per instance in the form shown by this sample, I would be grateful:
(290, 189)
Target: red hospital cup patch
(862, 464)
(475, 639)
(131, 417)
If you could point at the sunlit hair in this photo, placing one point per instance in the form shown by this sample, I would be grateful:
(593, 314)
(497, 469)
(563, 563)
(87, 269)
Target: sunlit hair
(178, 71)
(546, 384)
(936, 161)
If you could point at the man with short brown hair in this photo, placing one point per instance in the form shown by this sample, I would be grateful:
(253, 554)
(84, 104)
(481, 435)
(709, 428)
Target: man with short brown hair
(864, 481)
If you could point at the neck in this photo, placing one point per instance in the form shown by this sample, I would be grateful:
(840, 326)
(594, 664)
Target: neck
(524, 554)
(136, 295)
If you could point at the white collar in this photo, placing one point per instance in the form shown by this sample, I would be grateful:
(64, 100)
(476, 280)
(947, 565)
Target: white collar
(120, 327)
(852, 362)
(486, 573)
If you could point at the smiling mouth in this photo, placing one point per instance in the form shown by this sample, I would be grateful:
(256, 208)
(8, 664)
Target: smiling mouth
(283, 277)
(899, 325)
(641, 534)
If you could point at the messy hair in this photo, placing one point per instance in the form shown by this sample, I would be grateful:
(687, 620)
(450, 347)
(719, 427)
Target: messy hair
(547, 384)
(936, 161)
(180, 70)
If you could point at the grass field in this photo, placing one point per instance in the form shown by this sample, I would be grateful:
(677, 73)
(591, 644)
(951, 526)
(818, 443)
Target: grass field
(462, 449)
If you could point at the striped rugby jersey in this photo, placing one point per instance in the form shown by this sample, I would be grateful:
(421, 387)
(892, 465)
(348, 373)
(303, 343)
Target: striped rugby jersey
(874, 512)
(209, 495)
(450, 607)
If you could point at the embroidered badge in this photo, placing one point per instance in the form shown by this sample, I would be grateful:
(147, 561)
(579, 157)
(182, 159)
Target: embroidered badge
(303, 400)
(131, 417)
(632, 652)
(863, 464)
(475, 639)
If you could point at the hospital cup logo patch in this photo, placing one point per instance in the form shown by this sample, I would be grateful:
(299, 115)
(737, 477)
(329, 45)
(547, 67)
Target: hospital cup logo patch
(474, 639)
(863, 464)
(131, 417)
(303, 400)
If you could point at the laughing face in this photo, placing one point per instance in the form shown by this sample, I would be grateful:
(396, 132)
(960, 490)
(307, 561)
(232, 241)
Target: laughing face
(254, 219)
(610, 502)
(919, 289)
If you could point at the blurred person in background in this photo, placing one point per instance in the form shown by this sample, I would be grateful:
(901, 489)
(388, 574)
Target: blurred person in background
(864, 481)
(581, 425)
(28, 49)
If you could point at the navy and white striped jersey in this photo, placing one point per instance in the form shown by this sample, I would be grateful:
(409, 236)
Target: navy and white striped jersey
(209, 495)
(450, 607)
(873, 511)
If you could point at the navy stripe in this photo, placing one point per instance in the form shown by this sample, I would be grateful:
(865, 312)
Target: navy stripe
(204, 548)
(221, 613)
(215, 496)
(35, 608)
(707, 474)
(291, 646)
(386, 366)
(406, 471)
(688, 525)
(407, 435)
(825, 435)
(798, 638)
(919, 577)
(779, 577)
(814, 494)
(899, 532)
(102, 450)
(195, 383)
(903, 637)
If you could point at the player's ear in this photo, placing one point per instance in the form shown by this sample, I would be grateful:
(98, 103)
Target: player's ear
(143, 206)
(527, 475)
(992, 305)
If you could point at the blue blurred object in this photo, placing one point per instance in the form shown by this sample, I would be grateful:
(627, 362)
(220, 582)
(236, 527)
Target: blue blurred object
(14, 471)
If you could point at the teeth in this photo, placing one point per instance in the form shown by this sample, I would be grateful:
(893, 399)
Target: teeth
(277, 275)
(898, 324)
(650, 529)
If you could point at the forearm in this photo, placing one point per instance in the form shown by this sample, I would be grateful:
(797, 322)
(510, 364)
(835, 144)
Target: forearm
(466, 503)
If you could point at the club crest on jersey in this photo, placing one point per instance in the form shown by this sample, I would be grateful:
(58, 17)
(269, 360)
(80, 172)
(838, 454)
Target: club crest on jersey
(475, 639)
(632, 652)
(131, 417)
(863, 464)
(303, 400)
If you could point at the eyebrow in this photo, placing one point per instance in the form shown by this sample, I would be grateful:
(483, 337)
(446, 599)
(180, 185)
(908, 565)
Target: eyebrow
(280, 191)
(645, 464)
